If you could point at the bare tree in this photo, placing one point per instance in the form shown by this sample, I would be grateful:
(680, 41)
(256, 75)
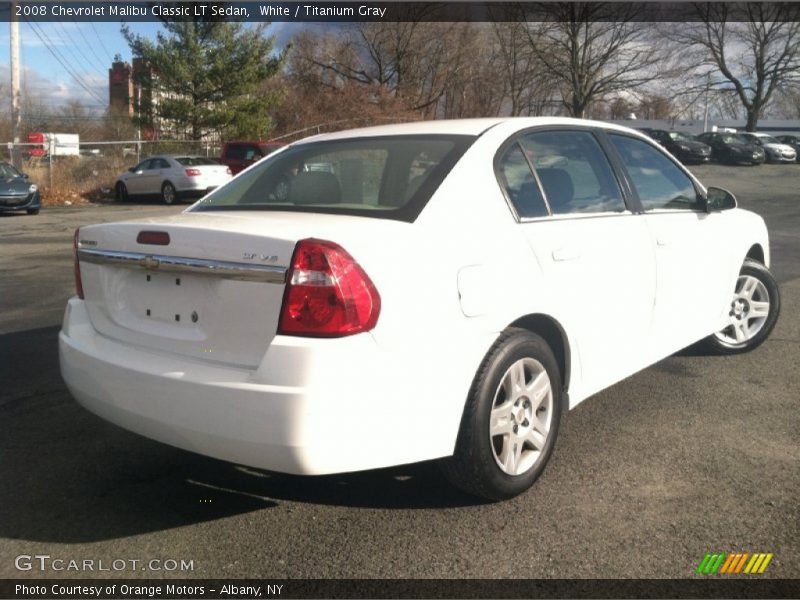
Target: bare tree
(788, 103)
(593, 50)
(415, 61)
(753, 47)
(320, 89)
(527, 85)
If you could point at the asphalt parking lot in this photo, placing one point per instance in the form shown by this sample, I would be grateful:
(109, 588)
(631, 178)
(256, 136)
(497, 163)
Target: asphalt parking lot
(696, 454)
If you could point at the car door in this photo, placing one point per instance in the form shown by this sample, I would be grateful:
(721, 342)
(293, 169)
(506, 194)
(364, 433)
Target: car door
(691, 286)
(135, 182)
(153, 176)
(594, 252)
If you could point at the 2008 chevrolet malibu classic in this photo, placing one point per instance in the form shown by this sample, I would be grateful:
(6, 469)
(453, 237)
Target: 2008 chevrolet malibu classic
(441, 290)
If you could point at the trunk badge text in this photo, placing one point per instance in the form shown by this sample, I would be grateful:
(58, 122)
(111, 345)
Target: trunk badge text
(263, 257)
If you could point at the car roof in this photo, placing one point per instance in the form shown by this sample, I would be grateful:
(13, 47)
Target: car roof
(174, 156)
(474, 127)
(257, 142)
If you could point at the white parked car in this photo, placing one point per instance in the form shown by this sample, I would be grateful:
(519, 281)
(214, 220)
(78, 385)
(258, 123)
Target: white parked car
(775, 150)
(172, 177)
(441, 290)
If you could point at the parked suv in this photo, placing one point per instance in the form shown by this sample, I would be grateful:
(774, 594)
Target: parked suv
(240, 155)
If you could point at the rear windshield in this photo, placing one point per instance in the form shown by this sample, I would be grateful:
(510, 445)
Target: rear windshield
(267, 149)
(384, 177)
(194, 161)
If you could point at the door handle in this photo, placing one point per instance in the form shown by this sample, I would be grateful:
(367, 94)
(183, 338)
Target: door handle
(562, 254)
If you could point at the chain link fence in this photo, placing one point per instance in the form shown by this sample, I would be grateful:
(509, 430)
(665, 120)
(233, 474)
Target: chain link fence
(88, 172)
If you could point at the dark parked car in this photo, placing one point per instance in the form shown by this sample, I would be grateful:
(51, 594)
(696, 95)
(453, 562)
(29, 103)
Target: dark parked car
(17, 192)
(733, 148)
(682, 146)
(240, 155)
(793, 141)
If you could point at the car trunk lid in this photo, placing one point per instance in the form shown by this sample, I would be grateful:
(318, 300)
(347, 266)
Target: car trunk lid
(214, 291)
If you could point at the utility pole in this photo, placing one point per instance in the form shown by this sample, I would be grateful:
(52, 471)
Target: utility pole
(16, 116)
(705, 112)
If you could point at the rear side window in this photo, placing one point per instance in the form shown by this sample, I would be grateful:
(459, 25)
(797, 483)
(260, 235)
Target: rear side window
(659, 183)
(194, 161)
(158, 163)
(387, 177)
(520, 185)
(574, 171)
(243, 152)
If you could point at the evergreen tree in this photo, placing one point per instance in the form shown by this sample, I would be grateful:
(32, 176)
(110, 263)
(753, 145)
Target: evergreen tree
(205, 78)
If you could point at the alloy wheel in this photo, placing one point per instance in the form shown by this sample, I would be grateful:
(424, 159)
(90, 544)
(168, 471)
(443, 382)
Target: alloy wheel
(748, 311)
(521, 416)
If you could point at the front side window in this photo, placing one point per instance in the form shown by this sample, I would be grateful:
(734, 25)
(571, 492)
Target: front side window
(390, 177)
(659, 183)
(574, 172)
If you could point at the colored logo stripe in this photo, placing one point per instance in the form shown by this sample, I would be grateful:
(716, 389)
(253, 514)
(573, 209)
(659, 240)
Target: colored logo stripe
(734, 563)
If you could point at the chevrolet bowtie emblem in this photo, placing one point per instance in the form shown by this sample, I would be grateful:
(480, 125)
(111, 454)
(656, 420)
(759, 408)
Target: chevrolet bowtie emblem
(148, 262)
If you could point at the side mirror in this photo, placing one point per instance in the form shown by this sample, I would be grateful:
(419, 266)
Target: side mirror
(132, 170)
(718, 199)
(25, 175)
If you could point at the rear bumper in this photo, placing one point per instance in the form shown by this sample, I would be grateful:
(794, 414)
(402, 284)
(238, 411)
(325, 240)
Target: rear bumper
(194, 186)
(312, 407)
(198, 192)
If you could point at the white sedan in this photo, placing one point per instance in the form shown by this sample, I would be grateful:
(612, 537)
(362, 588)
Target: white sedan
(171, 177)
(439, 290)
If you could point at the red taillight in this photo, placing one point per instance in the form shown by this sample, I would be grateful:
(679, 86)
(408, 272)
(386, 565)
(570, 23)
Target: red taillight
(327, 294)
(78, 282)
(154, 238)
(193, 172)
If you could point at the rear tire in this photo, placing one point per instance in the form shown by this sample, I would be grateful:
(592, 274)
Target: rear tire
(754, 310)
(510, 421)
(168, 193)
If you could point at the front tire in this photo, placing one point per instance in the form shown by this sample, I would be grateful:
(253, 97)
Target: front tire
(510, 421)
(168, 193)
(754, 310)
(121, 192)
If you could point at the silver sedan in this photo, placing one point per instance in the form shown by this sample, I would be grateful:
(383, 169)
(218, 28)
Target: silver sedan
(171, 177)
